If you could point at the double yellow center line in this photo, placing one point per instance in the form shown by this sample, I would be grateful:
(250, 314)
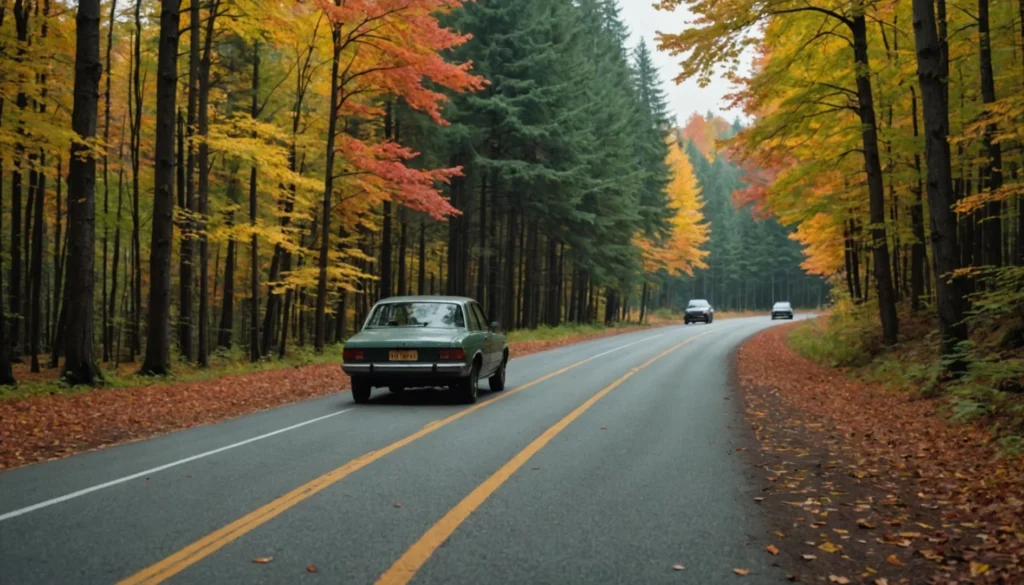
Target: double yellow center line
(405, 568)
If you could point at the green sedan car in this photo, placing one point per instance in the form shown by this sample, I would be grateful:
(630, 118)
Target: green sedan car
(426, 341)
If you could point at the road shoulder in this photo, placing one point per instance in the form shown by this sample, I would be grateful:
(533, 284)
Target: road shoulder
(47, 427)
(860, 484)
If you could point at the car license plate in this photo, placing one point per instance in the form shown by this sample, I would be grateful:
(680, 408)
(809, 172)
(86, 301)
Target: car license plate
(403, 355)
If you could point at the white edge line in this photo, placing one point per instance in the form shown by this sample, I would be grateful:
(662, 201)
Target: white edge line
(120, 480)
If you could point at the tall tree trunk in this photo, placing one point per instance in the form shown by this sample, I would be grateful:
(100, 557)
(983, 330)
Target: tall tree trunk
(876, 189)
(319, 325)
(158, 351)
(114, 265)
(36, 270)
(421, 277)
(227, 309)
(135, 337)
(6, 371)
(22, 10)
(106, 315)
(79, 363)
(254, 274)
(917, 250)
(481, 273)
(949, 298)
(993, 166)
(403, 288)
(509, 293)
(189, 226)
(203, 162)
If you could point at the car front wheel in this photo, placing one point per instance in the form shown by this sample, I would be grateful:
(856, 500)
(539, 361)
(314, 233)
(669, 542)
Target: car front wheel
(497, 381)
(361, 388)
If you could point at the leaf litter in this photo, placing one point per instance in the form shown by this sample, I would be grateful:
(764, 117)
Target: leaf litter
(913, 498)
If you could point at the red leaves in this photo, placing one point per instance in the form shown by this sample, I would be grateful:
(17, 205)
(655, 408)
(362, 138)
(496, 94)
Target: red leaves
(772, 550)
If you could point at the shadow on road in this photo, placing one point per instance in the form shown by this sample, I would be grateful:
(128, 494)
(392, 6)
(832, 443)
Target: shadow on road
(419, 397)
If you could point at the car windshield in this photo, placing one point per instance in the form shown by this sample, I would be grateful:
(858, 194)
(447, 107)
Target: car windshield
(417, 314)
(697, 305)
(781, 305)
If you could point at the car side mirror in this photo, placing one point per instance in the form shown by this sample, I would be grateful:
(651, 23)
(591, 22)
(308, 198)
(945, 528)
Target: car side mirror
(494, 325)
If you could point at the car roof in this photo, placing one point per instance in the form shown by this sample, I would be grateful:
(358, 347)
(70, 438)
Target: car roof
(781, 302)
(698, 300)
(427, 299)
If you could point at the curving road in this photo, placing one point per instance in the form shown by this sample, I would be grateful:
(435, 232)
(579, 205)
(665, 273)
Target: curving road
(604, 462)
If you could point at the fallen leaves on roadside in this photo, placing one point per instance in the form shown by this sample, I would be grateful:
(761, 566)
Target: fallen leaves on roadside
(41, 427)
(828, 547)
(808, 557)
(741, 572)
(772, 549)
(262, 560)
(397, 505)
(311, 569)
(678, 567)
(838, 579)
(867, 457)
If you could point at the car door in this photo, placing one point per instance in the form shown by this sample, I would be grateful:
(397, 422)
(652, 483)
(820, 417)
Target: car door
(477, 338)
(492, 342)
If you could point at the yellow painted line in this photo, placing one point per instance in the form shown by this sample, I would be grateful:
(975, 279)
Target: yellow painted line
(211, 543)
(405, 568)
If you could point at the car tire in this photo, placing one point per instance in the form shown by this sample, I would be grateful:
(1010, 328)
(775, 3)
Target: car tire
(361, 388)
(468, 386)
(497, 381)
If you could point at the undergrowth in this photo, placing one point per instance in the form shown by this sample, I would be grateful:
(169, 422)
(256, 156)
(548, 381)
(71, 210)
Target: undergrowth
(991, 389)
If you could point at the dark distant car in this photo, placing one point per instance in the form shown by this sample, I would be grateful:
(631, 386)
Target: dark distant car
(782, 310)
(426, 341)
(699, 310)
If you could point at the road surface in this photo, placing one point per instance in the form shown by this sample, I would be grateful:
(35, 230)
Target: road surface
(606, 462)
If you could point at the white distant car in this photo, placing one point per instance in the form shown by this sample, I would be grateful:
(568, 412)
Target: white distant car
(782, 310)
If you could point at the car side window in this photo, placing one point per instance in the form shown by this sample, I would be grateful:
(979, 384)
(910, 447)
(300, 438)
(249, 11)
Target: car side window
(474, 322)
(484, 325)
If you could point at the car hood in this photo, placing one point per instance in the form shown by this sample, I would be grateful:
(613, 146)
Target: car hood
(405, 337)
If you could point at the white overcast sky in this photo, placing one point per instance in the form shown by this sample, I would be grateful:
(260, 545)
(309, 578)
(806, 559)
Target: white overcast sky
(645, 22)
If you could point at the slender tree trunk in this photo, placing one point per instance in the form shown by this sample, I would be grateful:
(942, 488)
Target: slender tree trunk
(403, 288)
(949, 298)
(917, 250)
(876, 189)
(227, 311)
(254, 274)
(509, 294)
(36, 271)
(203, 162)
(79, 363)
(993, 167)
(481, 273)
(135, 336)
(189, 225)
(319, 325)
(158, 354)
(106, 316)
(112, 299)
(6, 371)
(421, 277)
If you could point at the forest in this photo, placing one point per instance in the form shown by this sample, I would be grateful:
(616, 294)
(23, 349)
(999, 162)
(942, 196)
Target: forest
(179, 179)
(888, 135)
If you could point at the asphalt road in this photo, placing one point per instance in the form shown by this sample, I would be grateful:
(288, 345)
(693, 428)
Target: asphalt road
(604, 462)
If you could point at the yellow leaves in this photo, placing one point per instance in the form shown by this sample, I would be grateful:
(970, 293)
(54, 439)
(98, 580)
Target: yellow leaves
(829, 547)
(681, 252)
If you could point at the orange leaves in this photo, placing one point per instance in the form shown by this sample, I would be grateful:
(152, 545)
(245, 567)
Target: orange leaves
(681, 253)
